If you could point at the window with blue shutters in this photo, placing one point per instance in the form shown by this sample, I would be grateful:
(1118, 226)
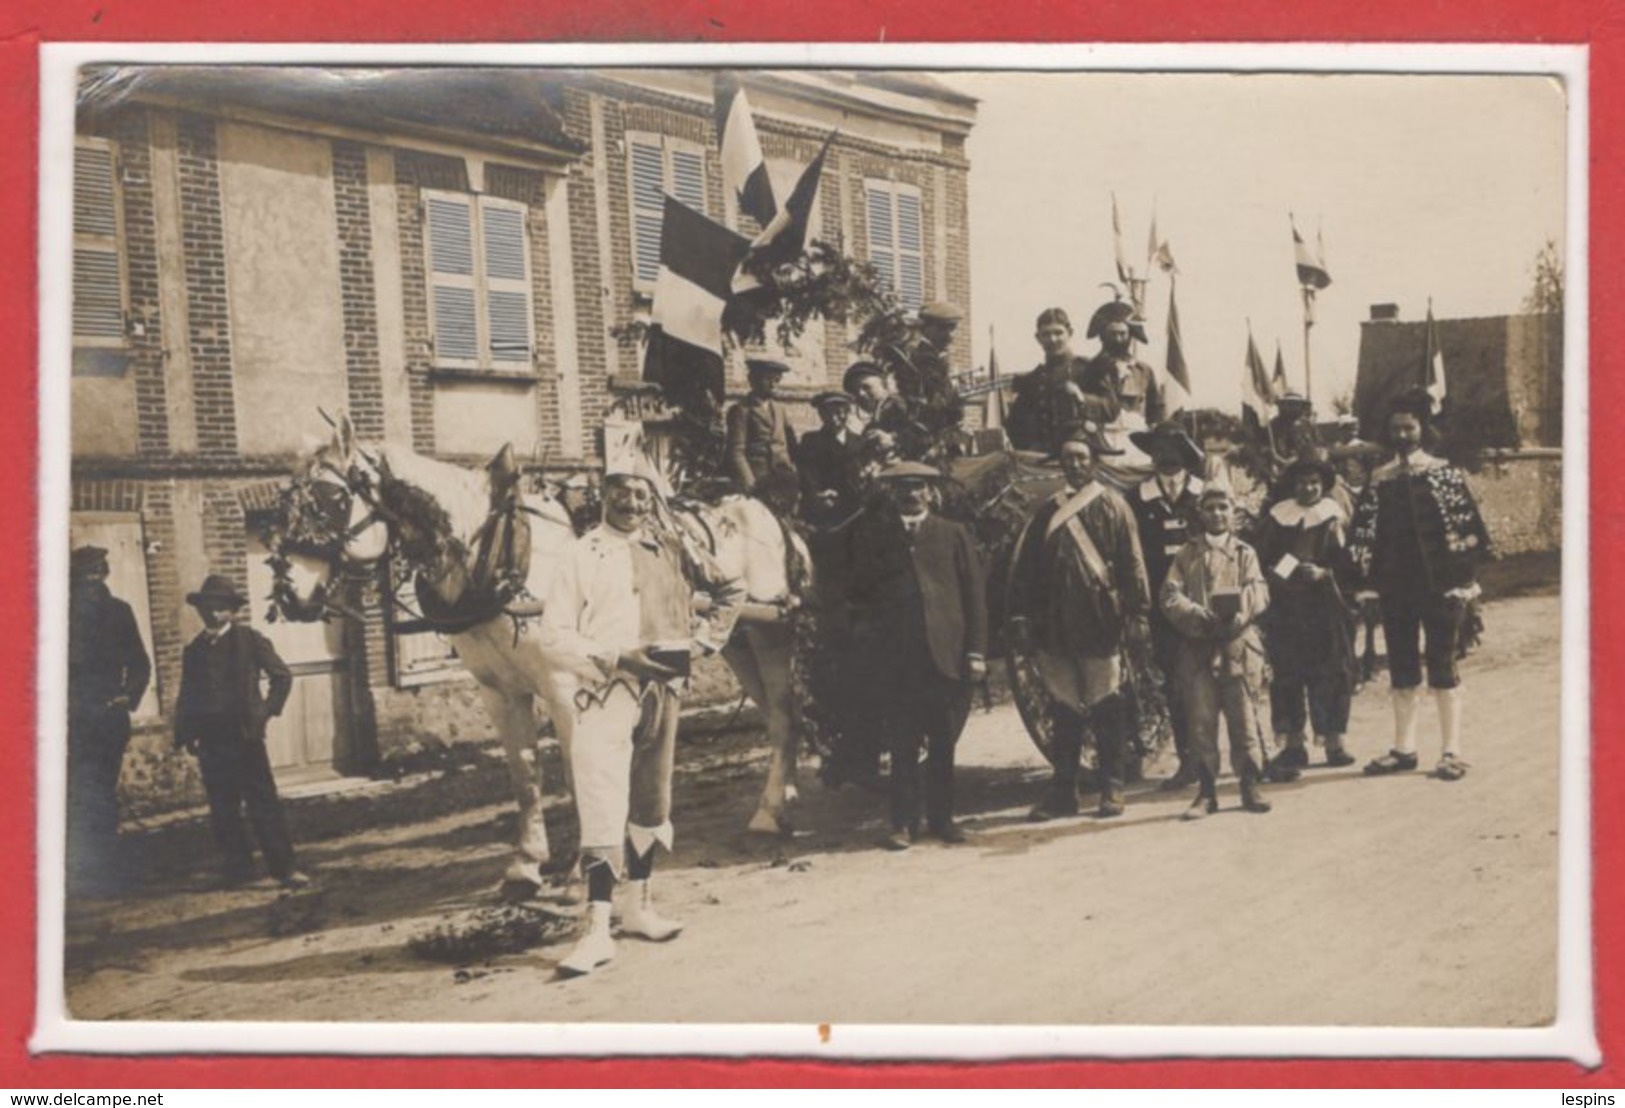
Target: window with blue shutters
(657, 165)
(99, 294)
(896, 220)
(478, 251)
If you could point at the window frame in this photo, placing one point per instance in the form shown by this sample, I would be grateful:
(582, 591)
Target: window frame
(480, 283)
(669, 146)
(892, 191)
(115, 244)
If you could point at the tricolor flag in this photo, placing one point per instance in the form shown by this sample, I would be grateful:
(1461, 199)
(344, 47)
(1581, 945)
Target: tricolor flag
(698, 260)
(1278, 385)
(744, 171)
(785, 235)
(1179, 375)
(1433, 365)
(1256, 397)
(1124, 273)
(1311, 269)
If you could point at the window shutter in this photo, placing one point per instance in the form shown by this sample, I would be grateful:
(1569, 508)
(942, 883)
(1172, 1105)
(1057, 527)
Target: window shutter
(882, 250)
(648, 206)
(507, 276)
(688, 178)
(450, 222)
(910, 251)
(98, 292)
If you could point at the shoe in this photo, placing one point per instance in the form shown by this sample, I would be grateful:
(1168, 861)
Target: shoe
(294, 880)
(1055, 805)
(1392, 762)
(640, 918)
(950, 833)
(1255, 803)
(1184, 777)
(1111, 806)
(1282, 773)
(1293, 756)
(594, 948)
(1201, 808)
(899, 840)
(1450, 768)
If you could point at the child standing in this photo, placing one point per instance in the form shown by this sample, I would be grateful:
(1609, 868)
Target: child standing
(1213, 596)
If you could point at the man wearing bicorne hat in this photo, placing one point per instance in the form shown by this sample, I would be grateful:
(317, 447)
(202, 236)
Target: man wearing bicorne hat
(220, 716)
(759, 436)
(619, 629)
(1135, 383)
(108, 671)
(1165, 509)
(1077, 587)
(915, 614)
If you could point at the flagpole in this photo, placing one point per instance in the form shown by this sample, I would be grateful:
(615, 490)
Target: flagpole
(1308, 373)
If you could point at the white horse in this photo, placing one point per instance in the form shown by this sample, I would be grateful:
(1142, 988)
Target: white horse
(381, 493)
(747, 541)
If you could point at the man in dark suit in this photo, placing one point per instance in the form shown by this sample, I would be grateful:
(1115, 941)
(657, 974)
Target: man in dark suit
(828, 460)
(220, 716)
(108, 671)
(918, 615)
(760, 440)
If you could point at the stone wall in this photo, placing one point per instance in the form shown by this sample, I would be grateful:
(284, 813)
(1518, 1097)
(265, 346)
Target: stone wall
(1520, 495)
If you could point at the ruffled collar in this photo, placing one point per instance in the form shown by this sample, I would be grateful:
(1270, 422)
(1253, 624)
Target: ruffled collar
(1151, 490)
(1289, 513)
(1420, 462)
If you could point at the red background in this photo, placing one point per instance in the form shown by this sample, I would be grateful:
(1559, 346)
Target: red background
(25, 24)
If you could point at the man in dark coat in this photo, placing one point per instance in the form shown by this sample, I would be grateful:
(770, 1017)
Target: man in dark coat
(917, 612)
(759, 436)
(1060, 394)
(1165, 511)
(827, 461)
(925, 379)
(220, 716)
(108, 671)
(1077, 593)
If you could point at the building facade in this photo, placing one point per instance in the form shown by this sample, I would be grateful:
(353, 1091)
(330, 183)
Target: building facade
(447, 256)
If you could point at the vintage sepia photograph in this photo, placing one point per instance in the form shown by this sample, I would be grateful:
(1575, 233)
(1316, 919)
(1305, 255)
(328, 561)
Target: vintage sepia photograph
(961, 549)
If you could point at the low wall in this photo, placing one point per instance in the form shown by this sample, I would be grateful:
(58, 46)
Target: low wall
(1520, 494)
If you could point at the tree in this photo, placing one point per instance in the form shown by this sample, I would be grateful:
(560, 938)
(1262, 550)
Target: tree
(1545, 296)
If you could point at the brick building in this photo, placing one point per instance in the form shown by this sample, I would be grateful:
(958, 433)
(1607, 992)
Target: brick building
(442, 254)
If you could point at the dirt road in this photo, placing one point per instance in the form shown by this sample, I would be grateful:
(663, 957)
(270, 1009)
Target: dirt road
(1357, 901)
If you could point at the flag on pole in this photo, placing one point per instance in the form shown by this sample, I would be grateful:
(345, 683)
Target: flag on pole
(698, 260)
(1311, 270)
(744, 171)
(993, 413)
(785, 235)
(1158, 253)
(1256, 397)
(1124, 273)
(1433, 365)
(1178, 373)
(1278, 385)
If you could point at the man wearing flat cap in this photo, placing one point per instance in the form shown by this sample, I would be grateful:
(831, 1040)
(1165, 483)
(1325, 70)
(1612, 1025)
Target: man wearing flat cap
(108, 671)
(220, 716)
(1165, 508)
(759, 436)
(924, 378)
(1077, 591)
(917, 616)
(1134, 382)
(827, 461)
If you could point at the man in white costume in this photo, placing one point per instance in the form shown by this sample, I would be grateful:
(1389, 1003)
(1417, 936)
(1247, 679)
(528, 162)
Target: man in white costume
(620, 622)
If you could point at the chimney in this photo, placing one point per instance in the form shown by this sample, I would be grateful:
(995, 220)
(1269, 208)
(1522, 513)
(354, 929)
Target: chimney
(1385, 313)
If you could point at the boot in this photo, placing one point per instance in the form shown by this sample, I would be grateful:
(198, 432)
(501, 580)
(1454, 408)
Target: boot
(1061, 799)
(1109, 719)
(1252, 796)
(1337, 754)
(1207, 799)
(595, 947)
(640, 918)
